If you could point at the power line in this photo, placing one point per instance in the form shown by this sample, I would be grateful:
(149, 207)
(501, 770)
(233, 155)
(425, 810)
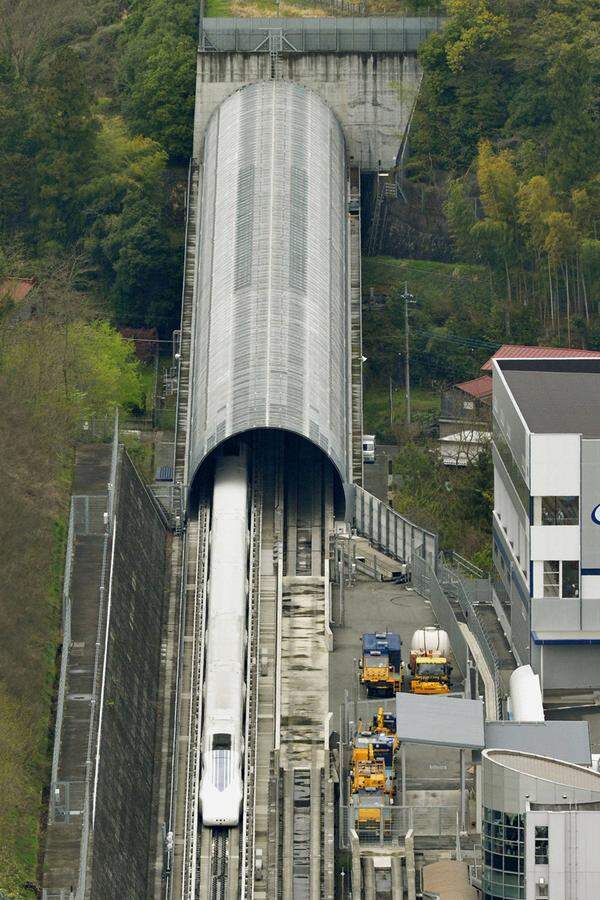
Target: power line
(476, 343)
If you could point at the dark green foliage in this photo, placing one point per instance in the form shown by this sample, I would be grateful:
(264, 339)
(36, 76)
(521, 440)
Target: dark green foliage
(456, 502)
(62, 136)
(159, 69)
(511, 71)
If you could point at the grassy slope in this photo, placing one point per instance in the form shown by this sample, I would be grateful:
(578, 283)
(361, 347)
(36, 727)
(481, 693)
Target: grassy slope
(431, 282)
(425, 407)
(436, 286)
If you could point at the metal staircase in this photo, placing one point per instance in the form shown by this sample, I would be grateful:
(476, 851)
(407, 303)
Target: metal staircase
(185, 340)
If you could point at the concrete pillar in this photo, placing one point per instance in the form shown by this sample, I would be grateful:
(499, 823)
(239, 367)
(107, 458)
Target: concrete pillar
(411, 886)
(369, 872)
(397, 879)
(315, 832)
(463, 791)
(478, 798)
(403, 773)
(288, 835)
(328, 839)
(356, 872)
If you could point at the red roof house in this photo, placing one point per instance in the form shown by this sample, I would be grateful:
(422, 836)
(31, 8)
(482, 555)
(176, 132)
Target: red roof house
(479, 388)
(522, 351)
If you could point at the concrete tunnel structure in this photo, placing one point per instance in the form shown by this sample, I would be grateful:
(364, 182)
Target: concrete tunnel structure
(271, 342)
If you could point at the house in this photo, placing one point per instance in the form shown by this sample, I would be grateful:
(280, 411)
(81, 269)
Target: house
(464, 447)
(466, 406)
(17, 297)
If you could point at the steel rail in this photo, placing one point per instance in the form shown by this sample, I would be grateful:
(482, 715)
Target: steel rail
(250, 734)
(200, 578)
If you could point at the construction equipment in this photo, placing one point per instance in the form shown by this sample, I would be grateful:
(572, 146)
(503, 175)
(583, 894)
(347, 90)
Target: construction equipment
(381, 663)
(373, 776)
(430, 674)
(429, 667)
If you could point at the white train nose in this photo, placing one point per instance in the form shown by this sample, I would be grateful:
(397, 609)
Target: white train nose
(220, 806)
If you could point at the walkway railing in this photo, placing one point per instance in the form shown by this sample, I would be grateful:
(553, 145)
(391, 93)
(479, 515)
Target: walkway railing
(390, 532)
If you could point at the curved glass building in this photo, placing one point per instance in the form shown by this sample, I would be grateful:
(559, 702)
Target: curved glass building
(541, 826)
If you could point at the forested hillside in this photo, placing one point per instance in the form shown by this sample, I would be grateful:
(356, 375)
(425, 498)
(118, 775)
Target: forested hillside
(505, 140)
(507, 125)
(96, 114)
(96, 105)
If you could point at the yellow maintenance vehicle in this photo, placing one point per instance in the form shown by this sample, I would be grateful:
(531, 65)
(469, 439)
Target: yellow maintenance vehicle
(381, 663)
(430, 675)
(373, 776)
(428, 665)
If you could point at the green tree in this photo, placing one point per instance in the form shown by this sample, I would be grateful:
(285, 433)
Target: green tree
(574, 137)
(63, 133)
(159, 72)
(461, 216)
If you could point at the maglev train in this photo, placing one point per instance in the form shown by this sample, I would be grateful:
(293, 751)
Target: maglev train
(225, 643)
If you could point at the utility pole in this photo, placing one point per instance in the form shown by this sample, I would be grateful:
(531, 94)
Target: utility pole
(408, 298)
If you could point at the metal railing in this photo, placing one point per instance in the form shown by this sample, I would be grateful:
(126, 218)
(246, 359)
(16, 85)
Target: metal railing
(452, 582)
(395, 821)
(66, 642)
(425, 582)
(390, 532)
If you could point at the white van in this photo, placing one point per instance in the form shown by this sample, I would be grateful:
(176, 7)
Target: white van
(369, 448)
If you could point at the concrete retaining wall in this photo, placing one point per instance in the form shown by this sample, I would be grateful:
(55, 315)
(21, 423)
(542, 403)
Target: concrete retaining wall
(372, 94)
(123, 826)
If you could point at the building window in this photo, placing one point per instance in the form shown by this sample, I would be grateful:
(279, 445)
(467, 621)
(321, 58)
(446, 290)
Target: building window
(560, 510)
(541, 891)
(570, 579)
(561, 579)
(551, 578)
(541, 845)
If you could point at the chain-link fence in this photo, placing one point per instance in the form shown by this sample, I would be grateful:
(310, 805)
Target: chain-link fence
(70, 800)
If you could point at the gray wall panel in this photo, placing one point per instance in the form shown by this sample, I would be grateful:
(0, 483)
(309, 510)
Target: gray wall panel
(271, 330)
(590, 500)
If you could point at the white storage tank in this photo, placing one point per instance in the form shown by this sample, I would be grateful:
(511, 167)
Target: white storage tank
(526, 696)
(430, 639)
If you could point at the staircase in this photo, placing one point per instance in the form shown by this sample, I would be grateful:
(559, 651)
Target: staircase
(185, 336)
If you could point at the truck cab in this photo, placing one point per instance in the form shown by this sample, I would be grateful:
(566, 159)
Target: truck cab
(430, 675)
(368, 448)
(381, 664)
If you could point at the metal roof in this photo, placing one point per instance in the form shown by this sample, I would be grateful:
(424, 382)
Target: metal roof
(477, 387)
(442, 721)
(360, 34)
(556, 396)
(522, 351)
(569, 741)
(558, 771)
(270, 337)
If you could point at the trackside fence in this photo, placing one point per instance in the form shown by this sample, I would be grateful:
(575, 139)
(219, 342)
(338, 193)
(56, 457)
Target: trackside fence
(71, 801)
(390, 532)
(425, 582)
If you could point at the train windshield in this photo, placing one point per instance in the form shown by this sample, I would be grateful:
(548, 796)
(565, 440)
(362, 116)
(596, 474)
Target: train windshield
(221, 742)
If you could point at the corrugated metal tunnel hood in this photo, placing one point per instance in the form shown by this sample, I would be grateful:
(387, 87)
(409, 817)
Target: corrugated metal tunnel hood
(270, 338)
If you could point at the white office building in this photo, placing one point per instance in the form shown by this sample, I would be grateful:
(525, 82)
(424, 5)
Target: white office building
(546, 450)
(541, 828)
